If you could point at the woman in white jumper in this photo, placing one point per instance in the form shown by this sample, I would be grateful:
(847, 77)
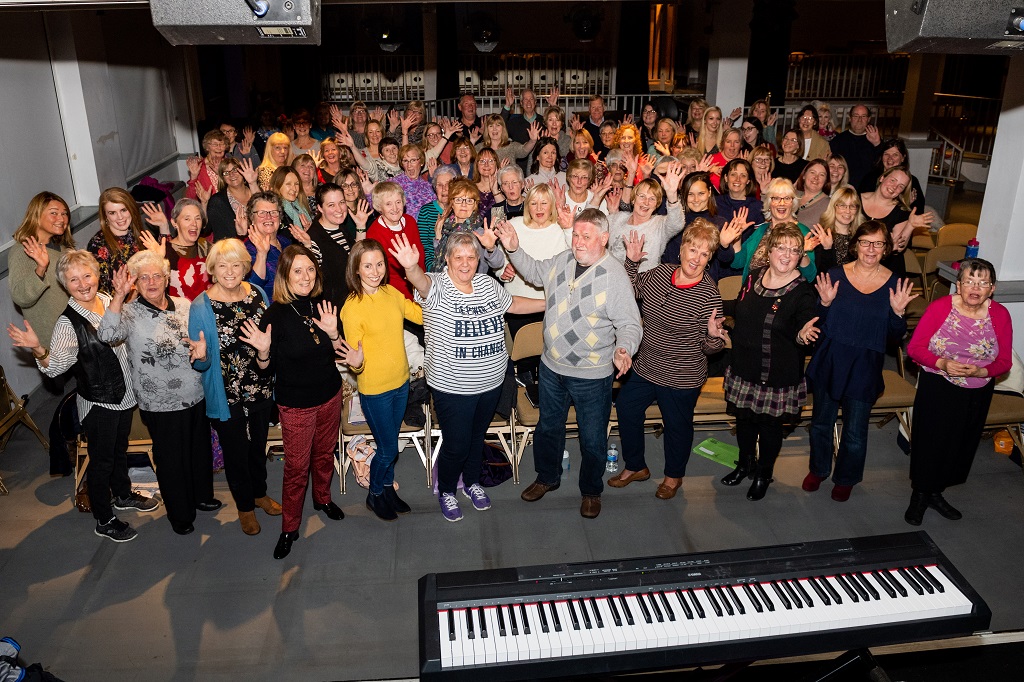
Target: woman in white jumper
(657, 230)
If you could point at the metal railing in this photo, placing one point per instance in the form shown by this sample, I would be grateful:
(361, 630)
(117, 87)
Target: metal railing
(969, 122)
(873, 77)
(378, 78)
(947, 158)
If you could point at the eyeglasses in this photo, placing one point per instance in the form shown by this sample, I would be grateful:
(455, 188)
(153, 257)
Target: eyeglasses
(145, 279)
(747, 128)
(782, 200)
(230, 172)
(809, 119)
(762, 161)
(848, 207)
(577, 176)
(228, 131)
(464, 200)
(971, 284)
(787, 250)
(267, 214)
(867, 243)
(350, 185)
(510, 183)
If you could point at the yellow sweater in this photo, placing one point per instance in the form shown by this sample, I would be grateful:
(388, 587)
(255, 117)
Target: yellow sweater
(376, 321)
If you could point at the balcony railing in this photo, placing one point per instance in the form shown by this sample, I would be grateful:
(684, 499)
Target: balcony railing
(969, 122)
(874, 78)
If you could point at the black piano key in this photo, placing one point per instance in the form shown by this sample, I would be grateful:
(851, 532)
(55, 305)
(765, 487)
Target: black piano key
(626, 610)
(725, 600)
(572, 615)
(597, 614)
(483, 622)
(753, 598)
(884, 584)
(831, 590)
(543, 618)
(696, 604)
(896, 584)
(803, 593)
(821, 593)
(615, 612)
(512, 620)
(714, 602)
(666, 606)
(735, 600)
(916, 572)
(905, 574)
(927, 572)
(782, 596)
(451, 625)
(769, 604)
(847, 587)
(526, 621)
(586, 616)
(644, 611)
(501, 623)
(852, 579)
(471, 633)
(792, 593)
(686, 607)
(554, 616)
(868, 586)
(655, 608)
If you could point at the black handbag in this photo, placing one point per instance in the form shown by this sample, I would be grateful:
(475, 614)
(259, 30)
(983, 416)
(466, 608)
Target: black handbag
(495, 468)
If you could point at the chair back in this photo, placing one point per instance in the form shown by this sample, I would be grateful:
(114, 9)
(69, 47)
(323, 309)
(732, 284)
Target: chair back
(956, 234)
(8, 401)
(529, 341)
(729, 287)
(911, 262)
(949, 252)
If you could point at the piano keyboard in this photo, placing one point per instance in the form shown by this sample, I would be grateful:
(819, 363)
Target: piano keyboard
(655, 609)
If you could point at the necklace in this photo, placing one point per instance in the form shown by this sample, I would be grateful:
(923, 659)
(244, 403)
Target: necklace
(308, 321)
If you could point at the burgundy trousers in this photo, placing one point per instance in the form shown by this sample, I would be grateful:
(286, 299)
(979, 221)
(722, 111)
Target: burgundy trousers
(310, 435)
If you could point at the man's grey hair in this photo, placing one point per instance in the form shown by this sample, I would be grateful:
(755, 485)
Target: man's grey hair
(593, 216)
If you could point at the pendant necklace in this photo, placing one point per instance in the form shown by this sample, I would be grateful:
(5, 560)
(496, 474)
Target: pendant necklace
(308, 321)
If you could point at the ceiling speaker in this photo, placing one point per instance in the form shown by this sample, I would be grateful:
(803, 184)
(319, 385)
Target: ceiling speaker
(955, 26)
(237, 22)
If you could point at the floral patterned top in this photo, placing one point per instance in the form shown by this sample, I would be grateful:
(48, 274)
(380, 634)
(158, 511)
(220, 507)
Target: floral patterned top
(111, 260)
(244, 381)
(964, 339)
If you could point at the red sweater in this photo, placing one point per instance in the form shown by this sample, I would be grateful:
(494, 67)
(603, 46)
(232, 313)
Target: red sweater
(384, 234)
(936, 314)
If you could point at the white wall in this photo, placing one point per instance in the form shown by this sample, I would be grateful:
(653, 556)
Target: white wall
(89, 101)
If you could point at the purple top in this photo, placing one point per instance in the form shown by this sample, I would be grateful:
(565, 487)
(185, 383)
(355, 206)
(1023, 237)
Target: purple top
(418, 193)
(964, 339)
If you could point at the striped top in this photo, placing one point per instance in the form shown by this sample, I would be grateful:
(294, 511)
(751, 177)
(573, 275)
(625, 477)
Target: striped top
(675, 345)
(465, 335)
(64, 355)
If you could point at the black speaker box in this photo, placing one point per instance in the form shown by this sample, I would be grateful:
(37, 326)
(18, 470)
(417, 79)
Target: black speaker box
(234, 22)
(954, 26)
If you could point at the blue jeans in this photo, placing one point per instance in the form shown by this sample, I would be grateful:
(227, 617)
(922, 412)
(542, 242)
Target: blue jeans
(593, 401)
(464, 421)
(676, 405)
(384, 413)
(853, 448)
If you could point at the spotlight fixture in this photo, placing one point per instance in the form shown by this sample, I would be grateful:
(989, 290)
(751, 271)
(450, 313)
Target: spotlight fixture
(586, 23)
(483, 31)
(385, 32)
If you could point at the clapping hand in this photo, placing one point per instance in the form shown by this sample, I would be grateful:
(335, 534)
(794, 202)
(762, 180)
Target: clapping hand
(251, 334)
(406, 253)
(635, 246)
(808, 334)
(827, 289)
(901, 296)
(353, 357)
(328, 321)
(196, 349)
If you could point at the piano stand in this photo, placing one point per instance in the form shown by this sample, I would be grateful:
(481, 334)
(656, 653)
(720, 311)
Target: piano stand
(854, 657)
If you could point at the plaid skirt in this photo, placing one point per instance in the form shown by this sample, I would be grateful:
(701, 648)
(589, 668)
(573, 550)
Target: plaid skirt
(766, 400)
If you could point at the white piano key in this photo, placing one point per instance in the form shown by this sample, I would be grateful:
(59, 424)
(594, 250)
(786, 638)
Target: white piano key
(564, 638)
(615, 633)
(646, 636)
(575, 635)
(497, 640)
(628, 632)
(462, 649)
(533, 641)
(446, 643)
(602, 634)
(543, 638)
(585, 633)
(754, 624)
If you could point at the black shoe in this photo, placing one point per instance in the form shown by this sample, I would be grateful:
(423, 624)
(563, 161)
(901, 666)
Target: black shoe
(378, 504)
(332, 510)
(737, 476)
(937, 502)
(284, 544)
(183, 528)
(210, 505)
(918, 506)
(395, 501)
(758, 488)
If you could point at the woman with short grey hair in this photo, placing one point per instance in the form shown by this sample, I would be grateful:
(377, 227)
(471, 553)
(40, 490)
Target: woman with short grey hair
(153, 328)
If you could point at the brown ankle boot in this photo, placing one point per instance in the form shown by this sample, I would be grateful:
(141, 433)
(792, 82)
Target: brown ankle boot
(268, 505)
(250, 526)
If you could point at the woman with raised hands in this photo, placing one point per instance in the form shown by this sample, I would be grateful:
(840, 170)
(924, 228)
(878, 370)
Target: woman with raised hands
(186, 251)
(204, 172)
(759, 110)
(657, 230)
(463, 215)
(418, 190)
(238, 181)
(661, 140)
(487, 166)
(836, 227)
(891, 204)
(495, 137)
(333, 159)
(430, 214)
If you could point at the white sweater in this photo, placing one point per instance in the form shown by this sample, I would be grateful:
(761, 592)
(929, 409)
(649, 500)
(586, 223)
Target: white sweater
(539, 244)
(657, 232)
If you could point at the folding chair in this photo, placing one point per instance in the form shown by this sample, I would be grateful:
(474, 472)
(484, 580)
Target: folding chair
(12, 413)
(139, 441)
(420, 437)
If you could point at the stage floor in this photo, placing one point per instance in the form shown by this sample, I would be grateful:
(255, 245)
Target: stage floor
(343, 606)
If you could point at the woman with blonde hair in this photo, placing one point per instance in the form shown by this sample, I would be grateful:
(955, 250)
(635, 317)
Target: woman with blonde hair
(276, 154)
(709, 140)
(305, 167)
(836, 227)
(495, 136)
(838, 172)
(695, 116)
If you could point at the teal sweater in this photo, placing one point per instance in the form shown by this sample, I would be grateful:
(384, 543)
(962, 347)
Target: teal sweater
(746, 252)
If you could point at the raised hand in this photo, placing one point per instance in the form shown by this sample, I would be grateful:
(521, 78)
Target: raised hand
(150, 243)
(810, 242)
(241, 222)
(602, 187)
(635, 246)
(260, 241)
(345, 138)
(123, 282)
(364, 181)
(534, 131)
(406, 253)
(249, 173)
(452, 128)
(195, 165)
(353, 357)
(507, 234)
(377, 114)
(763, 178)
(553, 97)
(431, 166)
(627, 120)
(37, 251)
(706, 164)
(576, 123)
(565, 215)
(328, 321)
(394, 120)
(23, 339)
(693, 139)
(735, 113)
(673, 180)
(337, 120)
(248, 137)
(504, 163)
(203, 195)
(196, 349)
(510, 98)
(251, 334)
(808, 334)
(901, 296)
(662, 149)
(920, 222)
(827, 289)
(874, 137)
(716, 327)
(772, 119)
(611, 200)
(305, 221)
(622, 361)
(298, 234)
(734, 228)
(362, 213)
(824, 236)
(646, 165)
(475, 134)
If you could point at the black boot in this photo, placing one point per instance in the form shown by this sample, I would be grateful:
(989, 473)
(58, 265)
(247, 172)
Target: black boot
(758, 488)
(284, 544)
(737, 475)
(378, 504)
(937, 502)
(918, 505)
(396, 502)
(332, 510)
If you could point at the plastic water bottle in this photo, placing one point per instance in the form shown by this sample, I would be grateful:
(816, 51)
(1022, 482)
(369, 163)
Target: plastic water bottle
(972, 249)
(565, 464)
(613, 460)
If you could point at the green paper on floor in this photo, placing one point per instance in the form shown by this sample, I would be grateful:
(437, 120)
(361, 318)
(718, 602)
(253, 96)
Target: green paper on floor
(717, 451)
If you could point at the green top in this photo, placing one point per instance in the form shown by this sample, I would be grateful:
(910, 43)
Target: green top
(41, 300)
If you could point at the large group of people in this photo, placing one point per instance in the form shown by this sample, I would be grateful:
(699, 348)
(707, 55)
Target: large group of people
(304, 256)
